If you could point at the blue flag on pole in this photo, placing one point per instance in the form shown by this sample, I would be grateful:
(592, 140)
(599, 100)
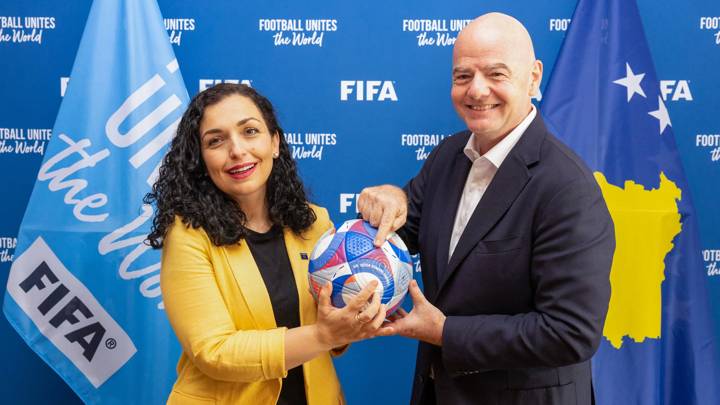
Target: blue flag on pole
(83, 290)
(604, 101)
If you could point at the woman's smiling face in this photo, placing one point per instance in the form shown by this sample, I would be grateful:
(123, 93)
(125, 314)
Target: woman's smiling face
(238, 148)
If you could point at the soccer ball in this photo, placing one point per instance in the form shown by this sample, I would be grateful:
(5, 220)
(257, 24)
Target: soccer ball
(349, 259)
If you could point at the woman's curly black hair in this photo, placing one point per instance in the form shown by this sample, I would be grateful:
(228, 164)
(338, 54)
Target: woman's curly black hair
(184, 187)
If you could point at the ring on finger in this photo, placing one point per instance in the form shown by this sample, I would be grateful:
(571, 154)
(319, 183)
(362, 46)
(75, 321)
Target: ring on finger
(357, 318)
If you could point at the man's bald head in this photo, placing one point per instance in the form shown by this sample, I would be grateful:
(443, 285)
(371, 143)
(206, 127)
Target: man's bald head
(495, 74)
(499, 29)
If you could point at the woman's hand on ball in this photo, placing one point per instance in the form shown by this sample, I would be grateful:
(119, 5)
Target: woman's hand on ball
(358, 320)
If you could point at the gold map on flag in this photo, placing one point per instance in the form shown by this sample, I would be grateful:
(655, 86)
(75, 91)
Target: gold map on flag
(646, 222)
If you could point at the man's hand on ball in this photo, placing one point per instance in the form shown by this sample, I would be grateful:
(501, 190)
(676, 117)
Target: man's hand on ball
(425, 322)
(358, 320)
(385, 207)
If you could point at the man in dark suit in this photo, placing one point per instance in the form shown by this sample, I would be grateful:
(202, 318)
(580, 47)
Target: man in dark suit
(516, 241)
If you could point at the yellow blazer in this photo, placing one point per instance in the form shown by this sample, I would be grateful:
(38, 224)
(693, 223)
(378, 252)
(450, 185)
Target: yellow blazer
(217, 303)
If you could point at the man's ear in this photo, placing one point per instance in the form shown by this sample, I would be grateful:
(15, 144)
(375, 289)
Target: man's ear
(535, 78)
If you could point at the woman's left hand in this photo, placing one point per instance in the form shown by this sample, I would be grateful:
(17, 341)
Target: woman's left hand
(358, 320)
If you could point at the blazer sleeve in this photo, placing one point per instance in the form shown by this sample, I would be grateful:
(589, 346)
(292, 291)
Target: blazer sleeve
(572, 251)
(198, 314)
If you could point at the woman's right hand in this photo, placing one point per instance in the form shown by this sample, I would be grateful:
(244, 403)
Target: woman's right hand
(358, 320)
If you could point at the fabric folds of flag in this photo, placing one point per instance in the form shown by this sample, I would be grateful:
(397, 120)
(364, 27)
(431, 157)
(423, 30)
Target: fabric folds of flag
(604, 101)
(83, 290)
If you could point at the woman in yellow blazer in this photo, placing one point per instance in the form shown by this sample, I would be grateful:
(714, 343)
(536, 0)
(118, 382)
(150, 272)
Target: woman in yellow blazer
(236, 232)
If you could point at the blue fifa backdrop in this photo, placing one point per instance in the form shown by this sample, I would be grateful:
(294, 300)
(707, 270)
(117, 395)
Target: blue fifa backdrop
(362, 92)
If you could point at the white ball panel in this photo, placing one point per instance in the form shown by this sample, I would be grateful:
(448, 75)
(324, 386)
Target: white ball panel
(322, 244)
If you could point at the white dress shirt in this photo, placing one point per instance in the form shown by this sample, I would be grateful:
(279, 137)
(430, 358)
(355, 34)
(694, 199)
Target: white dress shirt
(481, 174)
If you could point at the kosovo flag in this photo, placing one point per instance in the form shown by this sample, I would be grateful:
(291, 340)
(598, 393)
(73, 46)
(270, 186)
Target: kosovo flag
(604, 101)
(84, 291)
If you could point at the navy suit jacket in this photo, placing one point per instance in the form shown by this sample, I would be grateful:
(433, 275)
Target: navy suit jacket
(527, 288)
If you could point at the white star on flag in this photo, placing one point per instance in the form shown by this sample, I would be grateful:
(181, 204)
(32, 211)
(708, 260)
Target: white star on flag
(632, 82)
(662, 115)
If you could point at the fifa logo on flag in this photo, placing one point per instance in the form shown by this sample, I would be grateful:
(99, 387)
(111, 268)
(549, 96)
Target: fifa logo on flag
(67, 313)
(367, 90)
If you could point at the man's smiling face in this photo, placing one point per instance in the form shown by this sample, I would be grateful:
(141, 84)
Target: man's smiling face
(494, 76)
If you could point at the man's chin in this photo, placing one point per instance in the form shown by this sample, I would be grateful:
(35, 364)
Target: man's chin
(481, 130)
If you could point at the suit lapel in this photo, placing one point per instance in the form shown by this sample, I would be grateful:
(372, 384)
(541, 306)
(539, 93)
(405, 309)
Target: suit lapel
(249, 280)
(508, 183)
(449, 192)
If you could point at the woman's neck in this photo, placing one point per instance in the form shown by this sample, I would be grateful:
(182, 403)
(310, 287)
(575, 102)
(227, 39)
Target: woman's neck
(257, 215)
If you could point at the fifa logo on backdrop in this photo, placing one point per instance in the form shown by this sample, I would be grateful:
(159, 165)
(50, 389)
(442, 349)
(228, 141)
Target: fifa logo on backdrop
(711, 23)
(711, 258)
(676, 90)
(367, 90)
(205, 84)
(348, 203)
